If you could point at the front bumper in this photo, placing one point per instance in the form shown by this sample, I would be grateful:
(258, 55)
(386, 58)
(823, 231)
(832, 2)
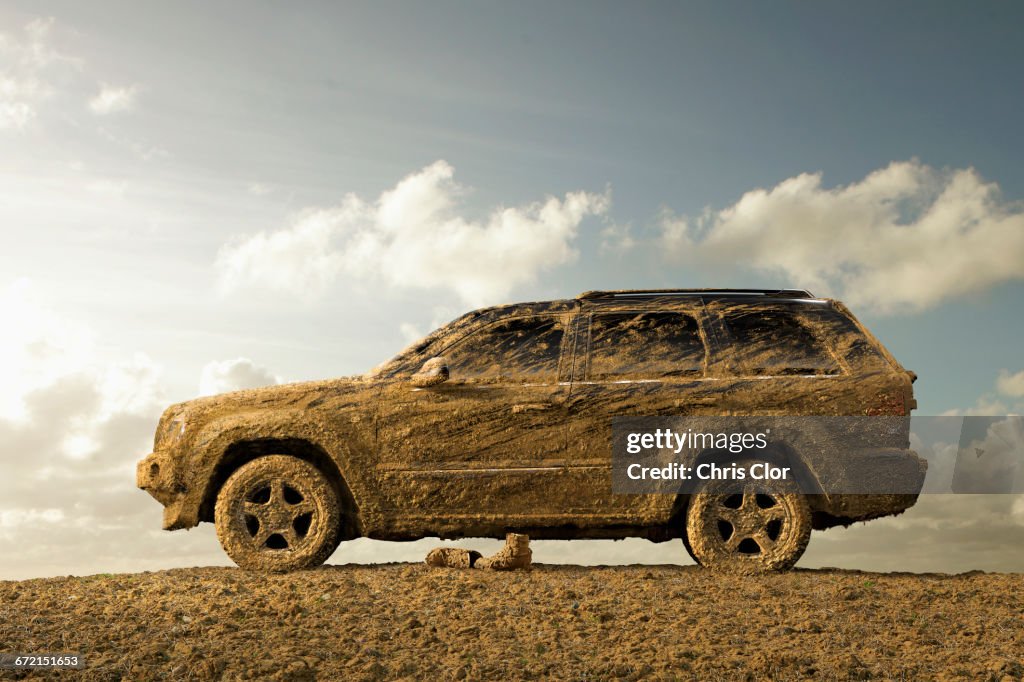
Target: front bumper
(156, 474)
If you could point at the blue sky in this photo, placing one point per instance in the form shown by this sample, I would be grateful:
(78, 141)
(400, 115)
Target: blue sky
(173, 183)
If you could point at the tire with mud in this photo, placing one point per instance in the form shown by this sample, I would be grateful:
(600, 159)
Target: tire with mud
(278, 513)
(747, 526)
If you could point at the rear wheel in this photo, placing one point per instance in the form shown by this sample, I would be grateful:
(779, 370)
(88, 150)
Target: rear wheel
(750, 528)
(278, 513)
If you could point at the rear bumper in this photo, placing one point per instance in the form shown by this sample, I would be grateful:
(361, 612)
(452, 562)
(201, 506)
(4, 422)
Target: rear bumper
(849, 508)
(872, 471)
(873, 483)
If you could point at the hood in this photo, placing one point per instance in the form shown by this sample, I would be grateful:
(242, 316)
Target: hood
(297, 396)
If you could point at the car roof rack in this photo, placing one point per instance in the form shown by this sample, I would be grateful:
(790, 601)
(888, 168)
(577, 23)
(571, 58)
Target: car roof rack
(643, 293)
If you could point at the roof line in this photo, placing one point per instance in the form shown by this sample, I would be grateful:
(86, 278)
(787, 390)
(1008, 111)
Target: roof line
(639, 293)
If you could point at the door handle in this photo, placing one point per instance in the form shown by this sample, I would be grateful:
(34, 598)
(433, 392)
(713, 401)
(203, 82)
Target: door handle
(531, 407)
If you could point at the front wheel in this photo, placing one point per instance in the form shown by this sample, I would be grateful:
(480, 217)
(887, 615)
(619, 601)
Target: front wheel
(278, 513)
(759, 527)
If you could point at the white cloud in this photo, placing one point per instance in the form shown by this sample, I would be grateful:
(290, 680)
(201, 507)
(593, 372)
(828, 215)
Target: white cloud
(28, 64)
(49, 368)
(21, 61)
(20, 517)
(112, 100)
(617, 238)
(990, 457)
(949, 533)
(35, 75)
(234, 375)
(986, 405)
(990, 404)
(15, 115)
(72, 426)
(300, 259)
(410, 332)
(412, 236)
(1017, 511)
(1011, 384)
(907, 236)
(36, 49)
(440, 315)
(36, 349)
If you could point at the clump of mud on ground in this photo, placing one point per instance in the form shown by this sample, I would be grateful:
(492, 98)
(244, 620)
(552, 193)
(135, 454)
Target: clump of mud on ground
(413, 621)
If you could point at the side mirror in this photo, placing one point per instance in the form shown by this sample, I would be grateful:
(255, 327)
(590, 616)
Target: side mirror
(433, 372)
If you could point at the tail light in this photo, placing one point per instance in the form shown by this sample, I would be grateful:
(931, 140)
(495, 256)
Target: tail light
(910, 403)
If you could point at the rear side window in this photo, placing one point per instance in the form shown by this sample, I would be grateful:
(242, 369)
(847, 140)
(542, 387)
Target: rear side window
(519, 348)
(776, 343)
(626, 346)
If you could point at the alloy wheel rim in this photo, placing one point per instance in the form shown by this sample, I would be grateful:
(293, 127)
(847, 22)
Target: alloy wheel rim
(750, 524)
(278, 515)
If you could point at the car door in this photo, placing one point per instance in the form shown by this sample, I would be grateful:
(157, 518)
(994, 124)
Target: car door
(632, 362)
(486, 444)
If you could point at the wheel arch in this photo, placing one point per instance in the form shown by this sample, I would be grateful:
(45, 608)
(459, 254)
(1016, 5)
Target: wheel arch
(244, 451)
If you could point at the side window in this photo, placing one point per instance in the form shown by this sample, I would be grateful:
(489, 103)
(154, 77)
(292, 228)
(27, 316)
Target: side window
(846, 340)
(627, 346)
(776, 343)
(516, 349)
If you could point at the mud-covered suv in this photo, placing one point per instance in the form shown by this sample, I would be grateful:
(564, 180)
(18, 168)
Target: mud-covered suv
(501, 421)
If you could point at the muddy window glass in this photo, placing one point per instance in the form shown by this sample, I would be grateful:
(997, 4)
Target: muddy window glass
(776, 343)
(627, 346)
(521, 348)
(847, 341)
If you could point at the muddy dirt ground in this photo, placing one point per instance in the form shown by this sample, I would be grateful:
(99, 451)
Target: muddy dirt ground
(407, 621)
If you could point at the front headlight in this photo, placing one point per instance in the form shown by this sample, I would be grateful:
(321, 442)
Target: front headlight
(176, 428)
(170, 430)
